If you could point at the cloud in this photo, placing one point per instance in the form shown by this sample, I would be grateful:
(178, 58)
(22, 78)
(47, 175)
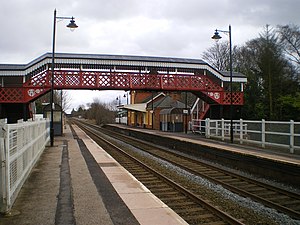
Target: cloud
(176, 28)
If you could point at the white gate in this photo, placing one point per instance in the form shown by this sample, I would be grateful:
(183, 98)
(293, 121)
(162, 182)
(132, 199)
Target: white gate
(21, 145)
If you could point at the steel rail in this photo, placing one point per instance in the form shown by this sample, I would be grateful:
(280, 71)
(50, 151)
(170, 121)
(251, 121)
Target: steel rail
(219, 213)
(245, 193)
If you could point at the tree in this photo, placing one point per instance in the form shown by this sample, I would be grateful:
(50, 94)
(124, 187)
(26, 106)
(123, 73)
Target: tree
(271, 64)
(98, 111)
(66, 100)
(218, 56)
(289, 37)
(270, 77)
(290, 105)
(59, 97)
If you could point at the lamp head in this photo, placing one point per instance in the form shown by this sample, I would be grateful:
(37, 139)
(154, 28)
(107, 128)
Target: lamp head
(216, 36)
(72, 25)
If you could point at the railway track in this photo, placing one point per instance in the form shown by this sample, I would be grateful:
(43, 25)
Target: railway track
(192, 208)
(282, 200)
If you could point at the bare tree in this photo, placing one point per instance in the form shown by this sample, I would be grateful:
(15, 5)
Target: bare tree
(218, 56)
(289, 37)
(100, 112)
(66, 100)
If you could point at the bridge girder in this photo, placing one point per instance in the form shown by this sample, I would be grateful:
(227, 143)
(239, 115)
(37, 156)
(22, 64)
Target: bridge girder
(40, 84)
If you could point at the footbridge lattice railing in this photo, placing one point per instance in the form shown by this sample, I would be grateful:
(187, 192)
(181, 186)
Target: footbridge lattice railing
(95, 80)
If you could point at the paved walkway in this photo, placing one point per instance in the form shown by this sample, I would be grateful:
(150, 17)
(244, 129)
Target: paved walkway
(77, 182)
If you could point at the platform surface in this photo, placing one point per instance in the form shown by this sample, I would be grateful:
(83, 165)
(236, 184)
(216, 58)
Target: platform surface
(42, 200)
(237, 148)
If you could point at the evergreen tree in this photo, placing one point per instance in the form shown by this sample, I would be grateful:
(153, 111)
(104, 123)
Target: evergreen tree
(271, 64)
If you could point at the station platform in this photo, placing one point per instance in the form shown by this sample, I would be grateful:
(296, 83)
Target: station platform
(77, 182)
(236, 148)
(267, 163)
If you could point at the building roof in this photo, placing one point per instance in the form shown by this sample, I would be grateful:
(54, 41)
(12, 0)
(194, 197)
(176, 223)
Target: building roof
(141, 107)
(166, 102)
(234, 74)
(114, 63)
(155, 96)
(171, 111)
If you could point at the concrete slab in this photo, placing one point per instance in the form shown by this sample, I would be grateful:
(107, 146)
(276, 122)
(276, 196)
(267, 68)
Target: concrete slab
(158, 216)
(113, 170)
(89, 208)
(129, 187)
(145, 206)
(142, 201)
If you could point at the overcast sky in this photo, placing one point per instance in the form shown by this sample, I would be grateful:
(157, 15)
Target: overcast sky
(176, 28)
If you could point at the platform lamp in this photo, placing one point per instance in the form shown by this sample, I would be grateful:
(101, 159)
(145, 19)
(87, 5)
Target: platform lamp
(72, 26)
(119, 111)
(217, 37)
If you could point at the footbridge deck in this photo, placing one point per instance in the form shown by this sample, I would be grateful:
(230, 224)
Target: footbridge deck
(23, 83)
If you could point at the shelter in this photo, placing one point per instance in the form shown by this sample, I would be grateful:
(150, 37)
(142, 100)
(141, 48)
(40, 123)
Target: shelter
(57, 118)
(171, 120)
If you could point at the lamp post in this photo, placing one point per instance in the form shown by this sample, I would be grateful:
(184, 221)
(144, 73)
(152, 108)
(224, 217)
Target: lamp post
(126, 96)
(119, 111)
(72, 26)
(218, 37)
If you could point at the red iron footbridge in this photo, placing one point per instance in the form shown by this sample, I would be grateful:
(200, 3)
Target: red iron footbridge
(22, 84)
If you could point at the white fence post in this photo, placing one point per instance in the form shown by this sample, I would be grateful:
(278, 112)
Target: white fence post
(223, 129)
(6, 190)
(2, 166)
(263, 133)
(241, 131)
(292, 134)
(207, 128)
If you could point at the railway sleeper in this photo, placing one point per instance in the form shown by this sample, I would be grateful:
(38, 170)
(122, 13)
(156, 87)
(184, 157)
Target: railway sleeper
(160, 189)
(158, 186)
(256, 189)
(191, 210)
(169, 194)
(231, 180)
(147, 178)
(279, 198)
(217, 223)
(213, 173)
(295, 204)
(186, 204)
(248, 186)
(177, 198)
(207, 217)
(267, 194)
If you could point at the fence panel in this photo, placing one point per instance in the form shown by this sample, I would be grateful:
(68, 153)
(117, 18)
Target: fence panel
(21, 146)
(263, 133)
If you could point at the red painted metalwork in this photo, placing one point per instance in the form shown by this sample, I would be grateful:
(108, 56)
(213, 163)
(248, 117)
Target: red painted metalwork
(205, 110)
(95, 80)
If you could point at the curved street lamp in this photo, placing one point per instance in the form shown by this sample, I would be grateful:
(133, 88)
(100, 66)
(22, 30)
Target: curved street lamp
(72, 25)
(217, 37)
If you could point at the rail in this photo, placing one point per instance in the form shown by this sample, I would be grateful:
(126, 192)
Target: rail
(282, 134)
(21, 145)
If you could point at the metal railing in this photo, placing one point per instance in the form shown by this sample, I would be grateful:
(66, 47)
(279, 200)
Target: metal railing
(21, 145)
(283, 134)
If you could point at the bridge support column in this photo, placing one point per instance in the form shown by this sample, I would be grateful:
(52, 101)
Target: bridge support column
(14, 112)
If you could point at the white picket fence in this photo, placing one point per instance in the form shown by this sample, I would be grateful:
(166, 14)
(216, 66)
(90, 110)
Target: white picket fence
(21, 145)
(263, 133)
